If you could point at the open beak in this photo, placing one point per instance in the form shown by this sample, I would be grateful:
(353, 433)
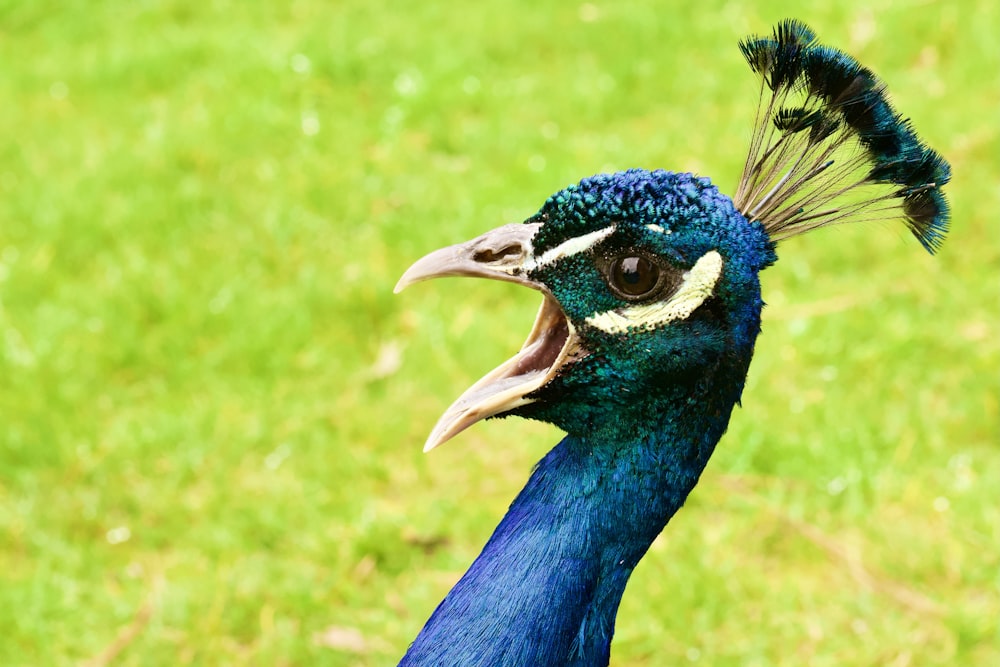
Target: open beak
(504, 253)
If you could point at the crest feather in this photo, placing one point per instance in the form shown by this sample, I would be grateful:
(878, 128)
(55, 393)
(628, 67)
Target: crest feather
(827, 147)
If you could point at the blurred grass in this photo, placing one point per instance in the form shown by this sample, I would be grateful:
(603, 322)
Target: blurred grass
(213, 405)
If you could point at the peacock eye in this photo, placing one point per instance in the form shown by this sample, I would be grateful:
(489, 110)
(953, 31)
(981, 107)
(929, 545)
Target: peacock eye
(633, 276)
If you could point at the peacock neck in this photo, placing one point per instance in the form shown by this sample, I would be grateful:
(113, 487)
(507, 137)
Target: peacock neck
(546, 588)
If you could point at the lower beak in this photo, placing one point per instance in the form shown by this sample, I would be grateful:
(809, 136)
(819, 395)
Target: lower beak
(505, 254)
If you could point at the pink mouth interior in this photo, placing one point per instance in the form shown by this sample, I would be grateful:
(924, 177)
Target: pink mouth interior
(547, 340)
(509, 386)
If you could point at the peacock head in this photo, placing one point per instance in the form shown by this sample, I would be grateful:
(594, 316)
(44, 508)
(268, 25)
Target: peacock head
(650, 289)
(650, 279)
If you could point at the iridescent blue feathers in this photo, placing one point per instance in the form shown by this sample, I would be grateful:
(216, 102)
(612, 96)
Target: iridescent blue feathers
(828, 147)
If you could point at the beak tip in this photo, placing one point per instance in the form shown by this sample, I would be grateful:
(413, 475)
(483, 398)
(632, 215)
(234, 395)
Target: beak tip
(437, 437)
(404, 281)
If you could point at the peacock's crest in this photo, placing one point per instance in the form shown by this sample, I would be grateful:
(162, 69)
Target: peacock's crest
(827, 147)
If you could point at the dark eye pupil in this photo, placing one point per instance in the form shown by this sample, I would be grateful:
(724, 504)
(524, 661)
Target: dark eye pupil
(634, 276)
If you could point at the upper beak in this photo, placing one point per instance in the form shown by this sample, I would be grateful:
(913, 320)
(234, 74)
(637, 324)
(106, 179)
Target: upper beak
(501, 254)
(504, 253)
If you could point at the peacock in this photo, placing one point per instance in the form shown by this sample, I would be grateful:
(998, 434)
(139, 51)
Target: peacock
(651, 305)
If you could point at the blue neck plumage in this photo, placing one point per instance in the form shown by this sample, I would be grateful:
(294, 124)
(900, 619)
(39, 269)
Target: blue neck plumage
(546, 588)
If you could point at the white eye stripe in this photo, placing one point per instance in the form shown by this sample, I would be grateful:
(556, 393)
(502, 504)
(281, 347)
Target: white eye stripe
(658, 228)
(699, 284)
(574, 246)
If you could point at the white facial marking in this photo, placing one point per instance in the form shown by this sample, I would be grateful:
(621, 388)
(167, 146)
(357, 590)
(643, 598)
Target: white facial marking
(698, 285)
(575, 245)
(658, 228)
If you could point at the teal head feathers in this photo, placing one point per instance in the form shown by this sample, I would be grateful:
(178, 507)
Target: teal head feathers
(656, 273)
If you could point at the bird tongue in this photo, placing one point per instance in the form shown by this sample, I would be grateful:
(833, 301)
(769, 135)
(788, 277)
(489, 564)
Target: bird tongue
(508, 386)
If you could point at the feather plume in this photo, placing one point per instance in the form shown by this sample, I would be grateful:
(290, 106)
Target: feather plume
(827, 147)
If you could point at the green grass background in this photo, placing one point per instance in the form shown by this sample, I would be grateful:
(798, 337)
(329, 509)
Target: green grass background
(213, 406)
